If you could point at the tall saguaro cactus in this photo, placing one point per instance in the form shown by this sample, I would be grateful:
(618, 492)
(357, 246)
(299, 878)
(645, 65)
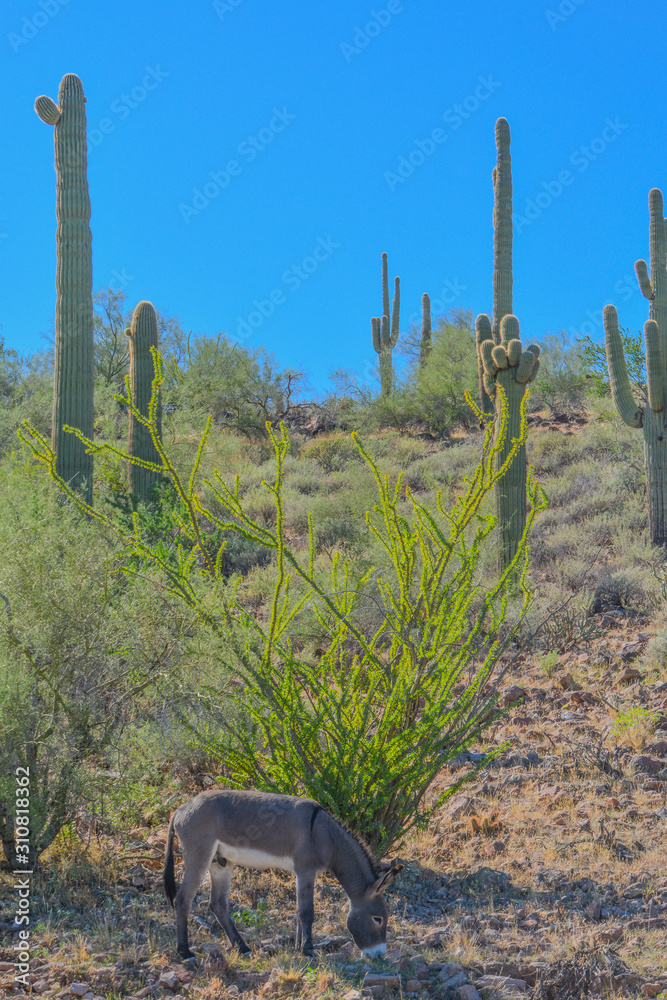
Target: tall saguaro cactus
(508, 365)
(385, 329)
(73, 376)
(142, 335)
(651, 418)
(502, 242)
(426, 342)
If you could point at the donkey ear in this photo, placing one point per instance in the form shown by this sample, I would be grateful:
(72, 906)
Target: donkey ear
(384, 881)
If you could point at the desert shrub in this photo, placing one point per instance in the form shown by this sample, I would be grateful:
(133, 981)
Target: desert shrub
(562, 383)
(79, 647)
(441, 383)
(333, 454)
(594, 363)
(26, 392)
(242, 389)
(618, 590)
(635, 725)
(366, 725)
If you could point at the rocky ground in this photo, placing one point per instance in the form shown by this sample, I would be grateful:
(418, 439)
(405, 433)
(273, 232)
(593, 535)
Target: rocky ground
(544, 877)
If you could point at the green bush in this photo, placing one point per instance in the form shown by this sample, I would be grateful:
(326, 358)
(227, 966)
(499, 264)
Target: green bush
(594, 363)
(365, 724)
(79, 648)
(563, 382)
(242, 389)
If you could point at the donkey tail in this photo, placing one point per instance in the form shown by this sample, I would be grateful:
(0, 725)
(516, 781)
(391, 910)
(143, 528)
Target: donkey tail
(169, 880)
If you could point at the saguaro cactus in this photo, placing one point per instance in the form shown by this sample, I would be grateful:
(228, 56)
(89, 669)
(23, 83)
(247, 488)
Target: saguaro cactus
(502, 243)
(73, 376)
(385, 334)
(650, 418)
(426, 341)
(507, 364)
(142, 335)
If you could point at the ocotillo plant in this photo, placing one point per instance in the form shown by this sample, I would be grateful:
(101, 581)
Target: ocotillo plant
(385, 334)
(426, 341)
(73, 375)
(650, 418)
(502, 242)
(142, 335)
(508, 365)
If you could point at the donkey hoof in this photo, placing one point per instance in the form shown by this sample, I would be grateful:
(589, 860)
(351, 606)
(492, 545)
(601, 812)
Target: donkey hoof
(187, 955)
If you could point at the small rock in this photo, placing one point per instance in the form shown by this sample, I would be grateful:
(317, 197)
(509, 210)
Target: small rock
(448, 970)
(629, 674)
(468, 992)
(78, 989)
(609, 935)
(629, 650)
(594, 910)
(646, 764)
(352, 995)
(658, 749)
(568, 683)
(460, 805)
(635, 890)
(501, 985)
(458, 980)
(413, 986)
(652, 989)
(435, 938)
(41, 986)
(512, 694)
(170, 981)
(386, 982)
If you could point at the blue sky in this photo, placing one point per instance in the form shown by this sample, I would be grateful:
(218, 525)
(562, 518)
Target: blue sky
(244, 161)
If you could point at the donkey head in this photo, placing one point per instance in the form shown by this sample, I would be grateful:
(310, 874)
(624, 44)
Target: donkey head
(367, 918)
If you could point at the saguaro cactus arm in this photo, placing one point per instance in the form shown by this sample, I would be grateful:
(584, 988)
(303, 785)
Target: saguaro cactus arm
(376, 333)
(653, 366)
(646, 288)
(396, 312)
(142, 336)
(621, 391)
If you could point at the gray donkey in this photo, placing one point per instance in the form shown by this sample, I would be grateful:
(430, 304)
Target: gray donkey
(221, 828)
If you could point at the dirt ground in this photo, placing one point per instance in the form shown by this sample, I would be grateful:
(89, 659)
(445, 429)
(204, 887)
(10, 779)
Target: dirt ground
(545, 877)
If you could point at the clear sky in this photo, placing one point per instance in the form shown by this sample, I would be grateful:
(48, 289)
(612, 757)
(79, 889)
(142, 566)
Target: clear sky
(244, 160)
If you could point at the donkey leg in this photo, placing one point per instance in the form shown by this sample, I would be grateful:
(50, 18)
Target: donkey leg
(305, 887)
(192, 877)
(221, 878)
